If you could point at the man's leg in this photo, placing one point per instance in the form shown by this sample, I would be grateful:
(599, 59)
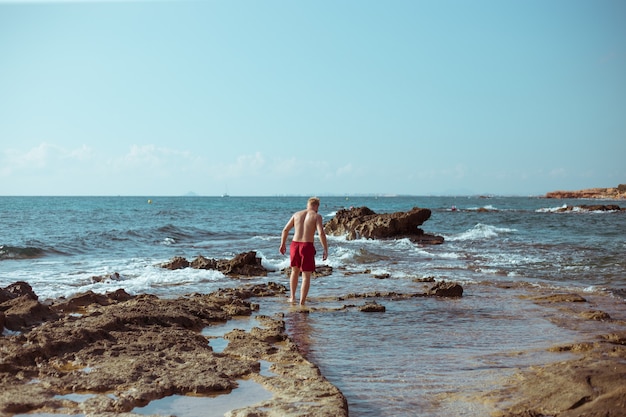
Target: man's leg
(304, 290)
(293, 283)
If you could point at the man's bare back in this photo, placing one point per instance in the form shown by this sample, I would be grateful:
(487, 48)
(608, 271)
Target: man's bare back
(305, 224)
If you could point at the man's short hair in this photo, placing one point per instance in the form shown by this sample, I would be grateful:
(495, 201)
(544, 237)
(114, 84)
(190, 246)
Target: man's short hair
(314, 201)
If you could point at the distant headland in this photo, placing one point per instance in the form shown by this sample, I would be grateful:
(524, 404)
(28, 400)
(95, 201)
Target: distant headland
(616, 193)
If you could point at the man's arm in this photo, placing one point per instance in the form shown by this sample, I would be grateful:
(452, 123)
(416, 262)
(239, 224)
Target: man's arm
(322, 235)
(283, 237)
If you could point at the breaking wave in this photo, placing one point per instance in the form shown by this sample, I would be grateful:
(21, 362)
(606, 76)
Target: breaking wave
(481, 232)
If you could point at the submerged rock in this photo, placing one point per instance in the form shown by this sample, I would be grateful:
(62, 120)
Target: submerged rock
(320, 271)
(591, 207)
(446, 289)
(372, 307)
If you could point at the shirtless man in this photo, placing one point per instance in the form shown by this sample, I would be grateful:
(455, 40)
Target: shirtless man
(302, 248)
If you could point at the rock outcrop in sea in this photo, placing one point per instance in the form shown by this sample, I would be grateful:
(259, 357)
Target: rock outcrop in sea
(361, 222)
(591, 207)
(245, 264)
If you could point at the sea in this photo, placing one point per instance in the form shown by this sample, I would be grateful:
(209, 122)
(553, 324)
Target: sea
(423, 356)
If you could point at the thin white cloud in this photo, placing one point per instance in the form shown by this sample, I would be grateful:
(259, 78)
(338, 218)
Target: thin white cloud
(154, 157)
(345, 170)
(285, 167)
(84, 153)
(44, 155)
(243, 166)
(558, 172)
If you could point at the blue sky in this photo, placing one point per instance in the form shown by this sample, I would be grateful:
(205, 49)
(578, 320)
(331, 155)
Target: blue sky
(311, 97)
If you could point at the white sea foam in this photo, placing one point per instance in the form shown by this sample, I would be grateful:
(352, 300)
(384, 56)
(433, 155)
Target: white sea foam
(512, 259)
(381, 271)
(135, 276)
(265, 238)
(447, 255)
(492, 271)
(273, 264)
(155, 279)
(551, 209)
(573, 209)
(487, 207)
(343, 254)
(481, 232)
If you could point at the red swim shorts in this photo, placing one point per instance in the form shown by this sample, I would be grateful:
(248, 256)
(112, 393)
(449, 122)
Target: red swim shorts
(302, 255)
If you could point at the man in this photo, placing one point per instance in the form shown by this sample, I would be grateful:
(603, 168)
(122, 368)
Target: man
(302, 249)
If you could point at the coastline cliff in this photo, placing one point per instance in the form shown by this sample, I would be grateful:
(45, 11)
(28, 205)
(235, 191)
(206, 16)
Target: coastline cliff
(615, 193)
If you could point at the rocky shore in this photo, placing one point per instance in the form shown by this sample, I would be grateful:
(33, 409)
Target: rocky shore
(616, 193)
(121, 352)
(124, 351)
(589, 382)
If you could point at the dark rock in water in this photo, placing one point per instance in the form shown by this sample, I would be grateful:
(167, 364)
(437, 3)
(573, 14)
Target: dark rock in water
(446, 289)
(362, 222)
(115, 276)
(372, 307)
(320, 271)
(203, 263)
(601, 207)
(595, 315)
(178, 262)
(561, 298)
(592, 207)
(245, 264)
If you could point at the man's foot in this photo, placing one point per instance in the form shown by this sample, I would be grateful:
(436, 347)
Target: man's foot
(292, 301)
